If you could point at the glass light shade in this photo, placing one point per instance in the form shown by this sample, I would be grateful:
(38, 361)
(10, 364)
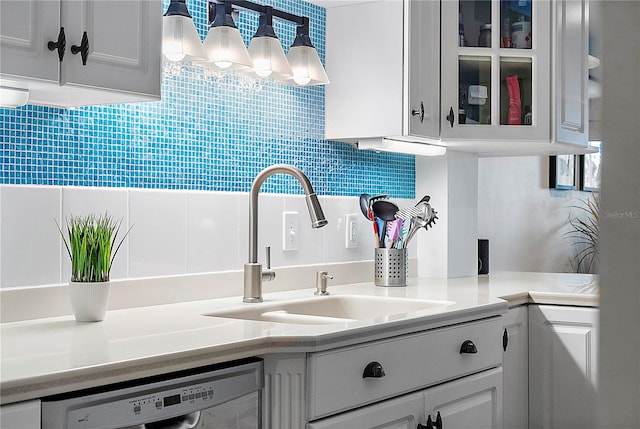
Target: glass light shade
(306, 66)
(225, 49)
(13, 97)
(268, 58)
(180, 40)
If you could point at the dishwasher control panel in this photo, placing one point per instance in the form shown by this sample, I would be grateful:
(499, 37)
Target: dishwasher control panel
(154, 401)
(151, 406)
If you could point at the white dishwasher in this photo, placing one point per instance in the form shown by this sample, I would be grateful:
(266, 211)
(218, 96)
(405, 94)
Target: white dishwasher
(223, 396)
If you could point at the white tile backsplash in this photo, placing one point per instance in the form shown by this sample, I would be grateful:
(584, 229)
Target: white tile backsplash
(31, 243)
(157, 241)
(212, 231)
(174, 232)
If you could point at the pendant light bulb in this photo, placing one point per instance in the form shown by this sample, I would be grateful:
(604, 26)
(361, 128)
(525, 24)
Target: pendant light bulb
(303, 58)
(266, 51)
(180, 40)
(224, 47)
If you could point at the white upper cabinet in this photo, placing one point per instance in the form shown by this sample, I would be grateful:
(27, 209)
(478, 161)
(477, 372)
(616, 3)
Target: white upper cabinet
(110, 50)
(383, 61)
(493, 77)
(496, 70)
(572, 99)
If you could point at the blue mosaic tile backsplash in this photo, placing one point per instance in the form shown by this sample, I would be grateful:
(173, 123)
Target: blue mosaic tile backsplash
(207, 133)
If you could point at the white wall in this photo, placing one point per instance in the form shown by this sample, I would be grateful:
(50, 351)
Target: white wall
(450, 248)
(523, 219)
(173, 232)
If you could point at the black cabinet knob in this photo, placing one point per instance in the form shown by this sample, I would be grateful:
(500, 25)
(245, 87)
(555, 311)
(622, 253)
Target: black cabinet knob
(419, 113)
(60, 45)
(505, 340)
(83, 49)
(451, 117)
(373, 370)
(438, 423)
(468, 347)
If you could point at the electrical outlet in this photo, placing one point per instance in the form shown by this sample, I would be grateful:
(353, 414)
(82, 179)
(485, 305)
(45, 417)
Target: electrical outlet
(351, 231)
(290, 229)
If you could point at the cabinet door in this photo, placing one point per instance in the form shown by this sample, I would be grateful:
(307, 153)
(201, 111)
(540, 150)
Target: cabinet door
(515, 367)
(572, 71)
(25, 29)
(424, 74)
(365, 97)
(473, 402)
(20, 415)
(562, 366)
(124, 44)
(405, 412)
(495, 70)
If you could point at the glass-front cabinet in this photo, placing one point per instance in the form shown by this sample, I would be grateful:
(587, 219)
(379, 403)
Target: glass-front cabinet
(495, 69)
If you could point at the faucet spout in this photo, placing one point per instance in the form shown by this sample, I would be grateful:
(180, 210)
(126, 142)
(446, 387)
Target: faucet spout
(253, 274)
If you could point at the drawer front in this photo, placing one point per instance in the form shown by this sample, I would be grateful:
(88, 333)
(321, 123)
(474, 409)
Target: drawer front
(410, 362)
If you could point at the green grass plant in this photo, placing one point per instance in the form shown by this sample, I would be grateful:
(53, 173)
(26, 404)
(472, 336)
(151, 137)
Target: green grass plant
(584, 233)
(91, 244)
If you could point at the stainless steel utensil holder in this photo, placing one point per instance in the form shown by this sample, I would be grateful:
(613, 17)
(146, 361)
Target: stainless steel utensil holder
(391, 267)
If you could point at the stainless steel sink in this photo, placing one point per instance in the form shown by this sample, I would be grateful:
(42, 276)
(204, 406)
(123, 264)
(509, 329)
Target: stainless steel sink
(330, 309)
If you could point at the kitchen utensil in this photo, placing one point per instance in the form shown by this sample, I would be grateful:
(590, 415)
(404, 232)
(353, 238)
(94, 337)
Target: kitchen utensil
(375, 198)
(364, 205)
(379, 229)
(393, 233)
(385, 210)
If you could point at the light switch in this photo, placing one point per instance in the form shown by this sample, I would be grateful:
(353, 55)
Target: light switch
(351, 231)
(290, 229)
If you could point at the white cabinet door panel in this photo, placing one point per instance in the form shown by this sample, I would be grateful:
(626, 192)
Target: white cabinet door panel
(562, 367)
(25, 29)
(21, 415)
(571, 71)
(473, 402)
(124, 44)
(405, 412)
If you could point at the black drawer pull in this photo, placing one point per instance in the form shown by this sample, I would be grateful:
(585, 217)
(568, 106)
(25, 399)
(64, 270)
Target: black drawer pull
(373, 370)
(468, 347)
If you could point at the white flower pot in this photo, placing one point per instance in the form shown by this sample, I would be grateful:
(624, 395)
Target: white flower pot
(89, 300)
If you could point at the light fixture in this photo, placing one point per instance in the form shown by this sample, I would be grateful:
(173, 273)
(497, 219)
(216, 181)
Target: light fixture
(266, 51)
(223, 46)
(399, 146)
(265, 56)
(304, 60)
(13, 97)
(180, 40)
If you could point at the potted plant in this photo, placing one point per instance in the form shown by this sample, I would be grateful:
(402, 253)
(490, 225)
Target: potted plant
(91, 244)
(584, 233)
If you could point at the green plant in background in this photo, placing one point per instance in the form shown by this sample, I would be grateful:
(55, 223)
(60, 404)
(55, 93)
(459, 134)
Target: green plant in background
(584, 232)
(91, 242)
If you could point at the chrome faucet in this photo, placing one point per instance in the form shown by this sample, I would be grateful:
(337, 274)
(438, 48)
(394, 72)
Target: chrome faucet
(253, 272)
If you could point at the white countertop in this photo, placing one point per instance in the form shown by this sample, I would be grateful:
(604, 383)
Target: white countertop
(46, 356)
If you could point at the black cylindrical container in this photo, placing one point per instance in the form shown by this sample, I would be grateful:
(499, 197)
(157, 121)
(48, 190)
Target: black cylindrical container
(483, 256)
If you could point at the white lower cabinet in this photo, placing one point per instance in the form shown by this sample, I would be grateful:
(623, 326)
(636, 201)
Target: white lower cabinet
(392, 383)
(562, 367)
(472, 402)
(515, 366)
(21, 415)
(405, 412)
